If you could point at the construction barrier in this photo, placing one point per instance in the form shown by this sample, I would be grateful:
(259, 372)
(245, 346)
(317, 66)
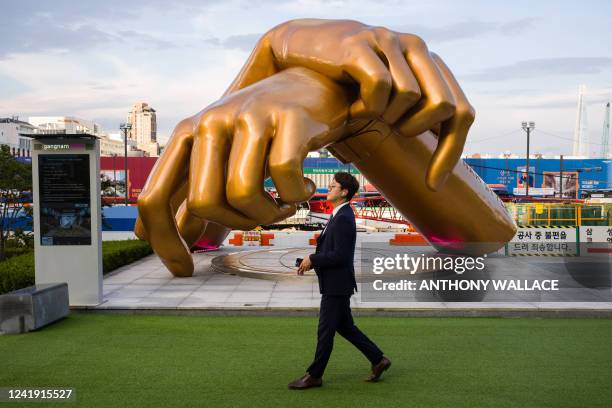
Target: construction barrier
(237, 240)
(410, 239)
(545, 240)
(265, 239)
(252, 238)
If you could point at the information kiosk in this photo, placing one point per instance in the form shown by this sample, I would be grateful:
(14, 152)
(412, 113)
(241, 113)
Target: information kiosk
(67, 215)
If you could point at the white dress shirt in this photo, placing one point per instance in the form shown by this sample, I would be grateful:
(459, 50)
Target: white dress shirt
(334, 212)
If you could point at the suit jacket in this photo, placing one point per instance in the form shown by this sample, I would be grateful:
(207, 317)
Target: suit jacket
(333, 258)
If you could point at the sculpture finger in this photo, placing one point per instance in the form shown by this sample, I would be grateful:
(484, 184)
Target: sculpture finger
(374, 80)
(289, 148)
(206, 198)
(155, 207)
(452, 134)
(175, 201)
(406, 91)
(437, 103)
(194, 229)
(248, 156)
(197, 230)
(190, 227)
(139, 229)
(214, 235)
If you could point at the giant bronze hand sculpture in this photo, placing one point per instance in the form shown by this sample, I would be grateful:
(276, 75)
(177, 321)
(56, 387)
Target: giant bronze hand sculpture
(211, 174)
(399, 81)
(215, 163)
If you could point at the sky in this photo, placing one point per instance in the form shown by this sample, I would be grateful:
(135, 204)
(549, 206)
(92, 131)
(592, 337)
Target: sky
(516, 61)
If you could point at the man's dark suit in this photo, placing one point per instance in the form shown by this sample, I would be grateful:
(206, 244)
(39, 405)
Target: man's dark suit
(333, 264)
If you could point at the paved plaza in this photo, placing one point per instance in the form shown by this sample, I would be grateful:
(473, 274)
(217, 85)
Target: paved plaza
(233, 284)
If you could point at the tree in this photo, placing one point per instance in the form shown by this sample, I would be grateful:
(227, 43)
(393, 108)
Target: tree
(15, 190)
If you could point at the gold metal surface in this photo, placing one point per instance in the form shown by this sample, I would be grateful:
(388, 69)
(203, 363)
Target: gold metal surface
(370, 95)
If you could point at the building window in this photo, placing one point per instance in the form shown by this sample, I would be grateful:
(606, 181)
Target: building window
(24, 144)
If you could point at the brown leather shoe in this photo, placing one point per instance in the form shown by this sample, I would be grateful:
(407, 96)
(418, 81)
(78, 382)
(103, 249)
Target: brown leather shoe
(305, 382)
(378, 369)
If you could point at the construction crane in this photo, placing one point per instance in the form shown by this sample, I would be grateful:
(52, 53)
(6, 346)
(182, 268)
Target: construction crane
(606, 133)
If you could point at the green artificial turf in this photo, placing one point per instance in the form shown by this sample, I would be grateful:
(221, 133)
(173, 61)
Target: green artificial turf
(192, 361)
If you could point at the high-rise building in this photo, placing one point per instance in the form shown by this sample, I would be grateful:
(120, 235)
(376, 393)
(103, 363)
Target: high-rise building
(143, 119)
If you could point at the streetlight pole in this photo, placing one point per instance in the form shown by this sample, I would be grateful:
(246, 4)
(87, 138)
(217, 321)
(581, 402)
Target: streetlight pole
(125, 127)
(114, 177)
(527, 127)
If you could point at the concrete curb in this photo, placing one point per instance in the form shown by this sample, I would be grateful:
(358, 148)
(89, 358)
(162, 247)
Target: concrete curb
(374, 312)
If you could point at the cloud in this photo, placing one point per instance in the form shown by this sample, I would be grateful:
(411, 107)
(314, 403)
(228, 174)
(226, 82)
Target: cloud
(108, 10)
(243, 42)
(569, 103)
(67, 87)
(34, 26)
(543, 67)
(25, 11)
(467, 29)
(144, 39)
(40, 36)
(517, 26)
(451, 32)
(560, 101)
(31, 26)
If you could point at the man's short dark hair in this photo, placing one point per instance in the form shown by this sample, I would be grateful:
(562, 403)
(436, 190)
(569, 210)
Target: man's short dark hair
(347, 182)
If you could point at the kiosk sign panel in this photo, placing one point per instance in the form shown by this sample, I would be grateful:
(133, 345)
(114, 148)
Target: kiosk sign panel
(65, 199)
(67, 215)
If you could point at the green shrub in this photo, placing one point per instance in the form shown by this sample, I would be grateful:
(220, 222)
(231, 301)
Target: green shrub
(11, 252)
(118, 253)
(18, 271)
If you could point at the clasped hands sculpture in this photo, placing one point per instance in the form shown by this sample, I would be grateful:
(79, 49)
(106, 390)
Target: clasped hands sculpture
(375, 98)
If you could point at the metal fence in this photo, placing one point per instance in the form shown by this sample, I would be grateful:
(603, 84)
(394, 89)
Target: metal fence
(578, 214)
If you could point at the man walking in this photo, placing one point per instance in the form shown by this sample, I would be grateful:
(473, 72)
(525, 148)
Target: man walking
(333, 264)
